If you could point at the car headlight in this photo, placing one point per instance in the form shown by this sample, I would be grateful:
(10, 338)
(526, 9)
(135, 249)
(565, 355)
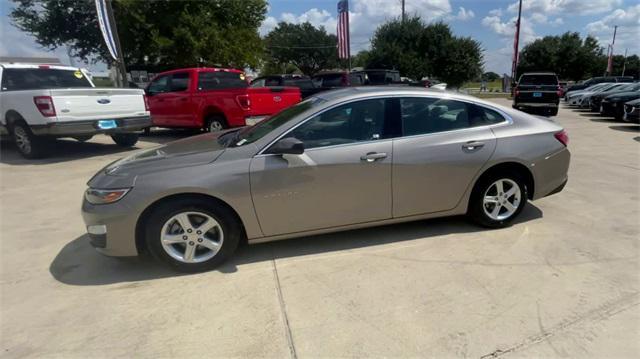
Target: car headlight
(105, 196)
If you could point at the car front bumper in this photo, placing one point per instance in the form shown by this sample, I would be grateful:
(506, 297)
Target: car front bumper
(111, 228)
(60, 129)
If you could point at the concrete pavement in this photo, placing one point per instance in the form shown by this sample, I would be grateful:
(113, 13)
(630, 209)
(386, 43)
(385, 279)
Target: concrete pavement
(564, 281)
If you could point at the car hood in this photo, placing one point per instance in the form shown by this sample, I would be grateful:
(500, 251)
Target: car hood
(186, 152)
(623, 96)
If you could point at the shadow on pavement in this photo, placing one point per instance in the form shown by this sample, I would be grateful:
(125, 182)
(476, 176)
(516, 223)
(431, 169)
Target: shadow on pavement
(79, 264)
(627, 128)
(63, 150)
(603, 119)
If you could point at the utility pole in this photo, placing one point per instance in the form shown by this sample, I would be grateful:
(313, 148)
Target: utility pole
(516, 42)
(403, 13)
(121, 66)
(624, 62)
(610, 60)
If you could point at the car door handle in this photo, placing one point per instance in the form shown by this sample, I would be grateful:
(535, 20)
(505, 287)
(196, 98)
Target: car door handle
(372, 156)
(472, 146)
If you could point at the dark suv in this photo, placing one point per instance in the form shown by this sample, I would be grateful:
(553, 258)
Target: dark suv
(537, 92)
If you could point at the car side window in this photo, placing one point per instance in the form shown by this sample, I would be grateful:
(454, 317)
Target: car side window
(258, 82)
(179, 82)
(354, 122)
(159, 85)
(432, 115)
(270, 82)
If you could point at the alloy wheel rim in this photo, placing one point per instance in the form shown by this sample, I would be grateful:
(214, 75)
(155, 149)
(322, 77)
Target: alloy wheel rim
(502, 199)
(215, 126)
(22, 140)
(191, 237)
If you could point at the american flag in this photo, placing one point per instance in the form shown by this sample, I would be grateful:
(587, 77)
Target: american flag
(344, 52)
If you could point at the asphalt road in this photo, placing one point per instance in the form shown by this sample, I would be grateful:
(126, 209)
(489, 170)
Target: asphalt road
(564, 281)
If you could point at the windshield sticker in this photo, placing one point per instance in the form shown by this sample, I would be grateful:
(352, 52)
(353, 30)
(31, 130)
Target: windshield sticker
(241, 76)
(78, 74)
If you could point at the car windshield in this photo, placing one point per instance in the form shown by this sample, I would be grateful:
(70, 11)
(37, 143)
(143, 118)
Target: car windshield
(262, 128)
(539, 80)
(15, 79)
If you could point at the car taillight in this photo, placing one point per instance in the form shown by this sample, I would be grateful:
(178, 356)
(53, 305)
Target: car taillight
(563, 137)
(517, 91)
(146, 103)
(559, 91)
(45, 105)
(244, 102)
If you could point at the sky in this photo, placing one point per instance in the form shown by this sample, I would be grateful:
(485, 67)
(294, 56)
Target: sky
(491, 22)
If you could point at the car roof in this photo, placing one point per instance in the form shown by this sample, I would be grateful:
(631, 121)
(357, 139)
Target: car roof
(352, 93)
(202, 69)
(539, 73)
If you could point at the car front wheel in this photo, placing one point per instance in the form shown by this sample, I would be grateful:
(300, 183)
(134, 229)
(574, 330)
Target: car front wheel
(497, 200)
(192, 235)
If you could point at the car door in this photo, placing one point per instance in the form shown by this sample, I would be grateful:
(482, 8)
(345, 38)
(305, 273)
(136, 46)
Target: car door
(179, 111)
(342, 178)
(444, 145)
(155, 97)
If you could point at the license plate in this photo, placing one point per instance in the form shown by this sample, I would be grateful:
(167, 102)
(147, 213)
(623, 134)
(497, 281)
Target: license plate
(107, 124)
(537, 94)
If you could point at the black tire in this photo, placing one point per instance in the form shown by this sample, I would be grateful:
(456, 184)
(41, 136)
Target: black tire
(125, 139)
(84, 138)
(476, 210)
(618, 113)
(231, 230)
(215, 123)
(29, 145)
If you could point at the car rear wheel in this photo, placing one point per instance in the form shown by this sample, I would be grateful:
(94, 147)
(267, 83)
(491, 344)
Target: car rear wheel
(497, 200)
(29, 145)
(84, 138)
(215, 123)
(125, 139)
(192, 235)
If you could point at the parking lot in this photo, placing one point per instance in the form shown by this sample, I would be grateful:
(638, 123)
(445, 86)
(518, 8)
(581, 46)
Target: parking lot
(563, 281)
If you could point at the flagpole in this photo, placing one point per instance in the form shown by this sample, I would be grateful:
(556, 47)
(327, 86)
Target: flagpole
(121, 66)
(514, 65)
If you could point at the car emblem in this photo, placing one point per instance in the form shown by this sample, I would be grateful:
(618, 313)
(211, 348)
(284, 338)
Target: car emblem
(277, 98)
(104, 101)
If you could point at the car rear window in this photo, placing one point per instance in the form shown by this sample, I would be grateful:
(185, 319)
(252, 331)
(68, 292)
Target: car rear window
(221, 80)
(38, 79)
(334, 80)
(301, 83)
(538, 80)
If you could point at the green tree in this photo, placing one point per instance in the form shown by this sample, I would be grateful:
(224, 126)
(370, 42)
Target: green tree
(308, 48)
(418, 50)
(490, 76)
(167, 33)
(568, 55)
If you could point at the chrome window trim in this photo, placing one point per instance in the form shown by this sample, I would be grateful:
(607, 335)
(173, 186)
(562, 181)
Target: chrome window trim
(508, 120)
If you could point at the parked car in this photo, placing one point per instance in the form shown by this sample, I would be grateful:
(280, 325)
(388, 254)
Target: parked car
(574, 98)
(613, 105)
(303, 83)
(382, 76)
(324, 165)
(39, 103)
(632, 111)
(585, 98)
(335, 79)
(596, 99)
(537, 92)
(596, 80)
(213, 99)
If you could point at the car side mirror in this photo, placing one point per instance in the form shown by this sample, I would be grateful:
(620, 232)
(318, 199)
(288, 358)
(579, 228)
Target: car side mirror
(288, 145)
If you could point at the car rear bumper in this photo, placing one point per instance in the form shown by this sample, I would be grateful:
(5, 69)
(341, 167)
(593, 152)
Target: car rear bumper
(59, 129)
(551, 173)
(535, 105)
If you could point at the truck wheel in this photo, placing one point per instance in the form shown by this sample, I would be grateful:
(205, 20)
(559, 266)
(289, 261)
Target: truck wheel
(29, 145)
(215, 123)
(84, 138)
(125, 139)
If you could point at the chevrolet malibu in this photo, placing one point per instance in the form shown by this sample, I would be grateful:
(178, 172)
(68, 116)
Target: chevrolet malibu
(344, 159)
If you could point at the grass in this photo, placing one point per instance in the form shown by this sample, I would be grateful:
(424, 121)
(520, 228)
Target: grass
(493, 85)
(490, 94)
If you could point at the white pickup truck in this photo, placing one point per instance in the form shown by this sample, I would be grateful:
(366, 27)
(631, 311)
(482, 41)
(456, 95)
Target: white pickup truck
(39, 103)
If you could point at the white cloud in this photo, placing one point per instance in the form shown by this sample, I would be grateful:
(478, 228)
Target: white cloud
(499, 60)
(366, 15)
(556, 7)
(628, 22)
(464, 14)
(496, 12)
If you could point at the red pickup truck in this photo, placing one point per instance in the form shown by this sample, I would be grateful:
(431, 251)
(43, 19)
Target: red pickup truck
(213, 99)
